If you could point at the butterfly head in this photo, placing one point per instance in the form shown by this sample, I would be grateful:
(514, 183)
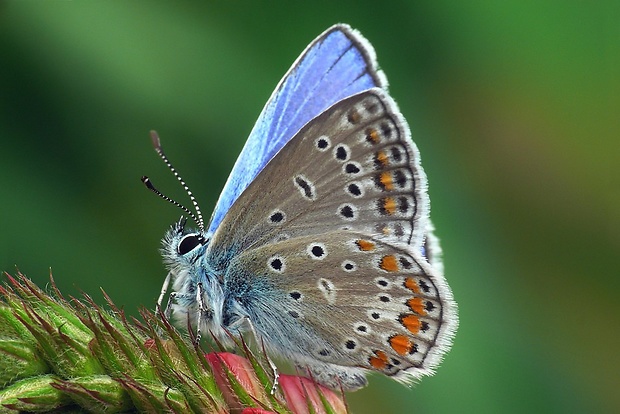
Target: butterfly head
(182, 249)
(183, 246)
(195, 286)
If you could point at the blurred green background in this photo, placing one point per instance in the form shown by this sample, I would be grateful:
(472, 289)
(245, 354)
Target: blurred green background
(514, 106)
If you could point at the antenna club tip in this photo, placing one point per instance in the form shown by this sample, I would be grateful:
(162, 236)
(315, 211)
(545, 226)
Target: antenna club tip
(146, 181)
(155, 140)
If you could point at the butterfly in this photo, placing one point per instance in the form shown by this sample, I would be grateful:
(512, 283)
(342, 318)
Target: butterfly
(320, 244)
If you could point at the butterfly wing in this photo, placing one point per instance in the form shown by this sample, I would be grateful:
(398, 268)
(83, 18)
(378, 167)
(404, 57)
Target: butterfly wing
(353, 167)
(342, 302)
(338, 64)
(322, 251)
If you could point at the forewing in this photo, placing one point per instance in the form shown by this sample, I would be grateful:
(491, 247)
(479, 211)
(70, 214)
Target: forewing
(337, 64)
(354, 167)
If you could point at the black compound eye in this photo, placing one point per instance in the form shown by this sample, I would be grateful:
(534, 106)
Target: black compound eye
(189, 243)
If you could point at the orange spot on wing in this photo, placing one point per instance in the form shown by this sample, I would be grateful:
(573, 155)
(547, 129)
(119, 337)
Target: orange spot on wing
(389, 204)
(416, 305)
(372, 135)
(365, 245)
(379, 360)
(411, 322)
(382, 158)
(385, 178)
(354, 117)
(401, 344)
(388, 263)
(412, 285)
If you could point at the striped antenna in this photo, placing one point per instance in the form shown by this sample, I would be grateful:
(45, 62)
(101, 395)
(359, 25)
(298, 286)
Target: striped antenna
(147, 182)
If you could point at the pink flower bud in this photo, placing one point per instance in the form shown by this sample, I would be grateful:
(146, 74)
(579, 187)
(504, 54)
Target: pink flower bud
(298, 391)
(223, 363)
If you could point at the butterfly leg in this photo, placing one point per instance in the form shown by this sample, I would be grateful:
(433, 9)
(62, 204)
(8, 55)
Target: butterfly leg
(164, 289)
(274, 369)
(168, 310)
(201, 310)
(272, 365)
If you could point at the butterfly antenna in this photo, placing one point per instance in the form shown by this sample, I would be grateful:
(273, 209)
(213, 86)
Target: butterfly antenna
(147, 182)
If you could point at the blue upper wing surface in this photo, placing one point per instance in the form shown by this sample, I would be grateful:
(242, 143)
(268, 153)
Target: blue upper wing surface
(337, 64)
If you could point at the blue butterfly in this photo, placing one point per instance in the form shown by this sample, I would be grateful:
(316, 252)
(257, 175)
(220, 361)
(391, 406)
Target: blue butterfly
(320, 244)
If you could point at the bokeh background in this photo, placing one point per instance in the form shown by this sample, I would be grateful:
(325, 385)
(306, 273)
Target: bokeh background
(514, 106)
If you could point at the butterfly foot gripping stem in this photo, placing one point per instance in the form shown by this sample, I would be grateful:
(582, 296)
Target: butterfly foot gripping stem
(201, 312)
